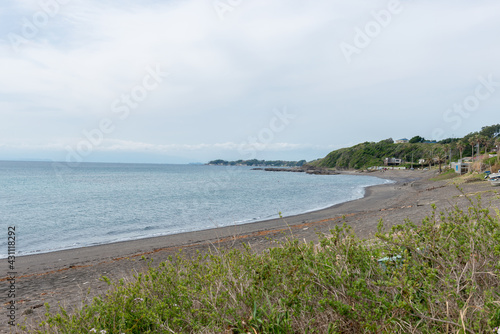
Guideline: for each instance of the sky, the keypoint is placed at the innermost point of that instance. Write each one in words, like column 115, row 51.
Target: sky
column 180, row 81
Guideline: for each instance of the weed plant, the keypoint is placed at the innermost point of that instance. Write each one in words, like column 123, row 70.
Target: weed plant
column 445, row 280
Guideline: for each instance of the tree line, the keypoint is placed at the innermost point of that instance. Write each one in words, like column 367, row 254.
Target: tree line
column 255, row 162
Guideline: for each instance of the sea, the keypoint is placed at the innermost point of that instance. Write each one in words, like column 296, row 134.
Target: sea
column 55, row 206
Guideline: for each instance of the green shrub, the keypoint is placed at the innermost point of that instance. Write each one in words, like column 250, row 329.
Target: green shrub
column 445, row 281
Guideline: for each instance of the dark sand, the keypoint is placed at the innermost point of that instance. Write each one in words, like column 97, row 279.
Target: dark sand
column 71, row 277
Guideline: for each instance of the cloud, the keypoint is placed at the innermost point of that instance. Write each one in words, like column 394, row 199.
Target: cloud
column 226, row 76
column 110, row 145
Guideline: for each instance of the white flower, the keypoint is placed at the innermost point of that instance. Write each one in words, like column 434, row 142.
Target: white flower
column 93, row 330
column 103, row 331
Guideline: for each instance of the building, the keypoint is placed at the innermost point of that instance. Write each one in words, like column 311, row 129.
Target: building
column 392, row 162
column 402, row 141
column 460, row 167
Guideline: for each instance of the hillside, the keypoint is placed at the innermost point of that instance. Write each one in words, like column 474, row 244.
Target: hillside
column 372, row 154
column 369, row 154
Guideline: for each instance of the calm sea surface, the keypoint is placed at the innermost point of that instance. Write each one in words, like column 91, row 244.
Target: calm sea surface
column 58, row 207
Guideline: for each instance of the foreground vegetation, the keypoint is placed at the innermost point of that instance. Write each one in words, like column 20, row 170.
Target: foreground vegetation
column 440, row 276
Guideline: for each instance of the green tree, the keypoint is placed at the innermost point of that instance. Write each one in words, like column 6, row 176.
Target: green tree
column 447, row 152
column 417, row 139
column 490, row 131
column 497, row 144
column 461, row 145
column 481, row 140
column 440, row 157
column 472, row 142
column 490, row 142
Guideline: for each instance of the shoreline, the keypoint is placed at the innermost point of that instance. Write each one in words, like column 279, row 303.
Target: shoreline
column 124, row 248
column 233, row 225
column 72, row 277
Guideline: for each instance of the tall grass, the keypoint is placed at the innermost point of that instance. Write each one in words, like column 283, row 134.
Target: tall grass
column 445, row 279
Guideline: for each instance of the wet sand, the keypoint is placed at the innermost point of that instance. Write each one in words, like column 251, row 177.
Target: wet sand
column 72, row 277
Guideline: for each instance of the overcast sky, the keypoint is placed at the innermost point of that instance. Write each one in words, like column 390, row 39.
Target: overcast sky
column 191, row 81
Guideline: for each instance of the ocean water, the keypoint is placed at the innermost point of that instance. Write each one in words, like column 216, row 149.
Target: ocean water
column 57, row 207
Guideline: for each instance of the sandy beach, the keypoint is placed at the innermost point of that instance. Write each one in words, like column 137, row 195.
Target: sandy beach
column 72, row 277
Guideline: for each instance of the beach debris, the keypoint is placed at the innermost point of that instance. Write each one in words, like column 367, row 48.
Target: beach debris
column 388, row 209
column 30, row 310
column 425, row 202
column 434, row 188
column 397, row 260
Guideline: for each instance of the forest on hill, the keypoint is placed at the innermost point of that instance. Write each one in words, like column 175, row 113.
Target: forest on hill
column 370, row 154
